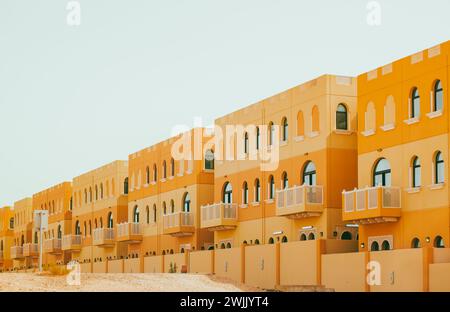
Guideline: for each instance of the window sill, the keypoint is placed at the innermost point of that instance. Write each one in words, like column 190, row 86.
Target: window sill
column 411, row 121
column 179, row 174
column 299, row 138
column 137, row 188
column 171, row 177
column 283, row 143
column 163, row 180
column 145, row 185
column 254, row 204
column 208, row 170
column 269, row 201
column 243, row 206
column 437, row 186
column 413, row 190
column 344, row 132
column 188, row 171
column 368, row 132
column 387, row 127
column 313, row 134
column 435, row 114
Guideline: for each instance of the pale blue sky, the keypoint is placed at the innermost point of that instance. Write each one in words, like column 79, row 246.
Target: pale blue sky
column 75, row 98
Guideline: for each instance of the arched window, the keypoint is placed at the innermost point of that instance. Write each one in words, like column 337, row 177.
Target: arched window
column 35, row 237
column 164, row 208
column 147, row 175
column 416, row 172
column 284, row 180
column 59, row 232
column 415, row 103
column 271, row 133
column 284, row 239
column 385, row 245
column 311, row 236
column 172, row 206
column 90, row 227
column 341, row 117
column 257, row 191
column 258, row 138
column 228, row 245
column 310, row 174
column 415, row 243
column 285, row 131
column 11, row 223
column 209, row 160
column 172, row 167
column 222, row 246
column 110, row 220
column 374, row 246
column 438, row 168
column 164, row 169
column 346, row 235
column 136, row 214
column 439, row 242
column 90, row 194
column 256, row 241
column 125, row 186
column 155, row 173
column 77, row 228
column 186, row 202
column 246, row 144
column 382, row 173
column 227, row 193
column 22, row 241
column 101, row 222
column 271, row 187
column 271, row 240
column 85, row 196
column 303, row 237
column 95, row 224
column 315, row 119
column 438, row 97
column 1, row 245
column 101, row 190
column 154, row 213
column 245, row 193
column 147, row 214
column 96, row 192
column 300, row 124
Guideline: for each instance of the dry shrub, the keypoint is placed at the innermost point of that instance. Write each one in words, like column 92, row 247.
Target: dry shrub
column 58, row 270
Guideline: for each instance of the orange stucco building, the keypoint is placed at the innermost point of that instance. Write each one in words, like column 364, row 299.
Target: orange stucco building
column 299, row 198
column 165, row 195
column 402, row 199
column 6, row 237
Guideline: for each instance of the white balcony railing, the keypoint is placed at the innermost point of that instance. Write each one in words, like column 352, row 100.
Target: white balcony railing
column 369, row 198
column 299, row 195
column 101, row 235
column 30, row 249
column 52, row 244
column 217, row 211
column 178, row 219
column 70, row 240
column 128, row 228
column 16, row 252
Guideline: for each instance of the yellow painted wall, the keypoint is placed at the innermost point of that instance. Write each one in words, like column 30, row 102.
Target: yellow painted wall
column 344, row 272
column 298, row 263
column 179, row 260
column 115, row 266
column 228, row 263
column 201, row 262
column 440, row 277
column 154, row 264
column 132, row 265
column 261, row 266
column 100, row 267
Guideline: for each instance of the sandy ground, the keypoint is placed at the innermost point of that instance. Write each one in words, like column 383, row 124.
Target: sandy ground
column 119, row 282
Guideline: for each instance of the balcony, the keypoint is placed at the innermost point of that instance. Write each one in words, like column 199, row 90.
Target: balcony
column 31, row 250
column 179, row 224
column 71, row 243
column 52, row 246
column 129, row 232
column 219, row 217
column 17, row 252
column 300, row 202
column 379, row 204
column 103, row 237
